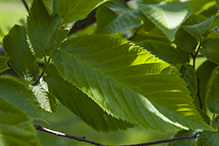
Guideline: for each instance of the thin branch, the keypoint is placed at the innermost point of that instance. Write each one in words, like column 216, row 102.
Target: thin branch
column 25, row 4
column 40, row 128
column 82, row 139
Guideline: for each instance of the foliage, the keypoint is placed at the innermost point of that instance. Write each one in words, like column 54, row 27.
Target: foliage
column 133, row 70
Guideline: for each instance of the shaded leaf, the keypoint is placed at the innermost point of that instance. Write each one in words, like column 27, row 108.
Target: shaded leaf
column 128, row 82
column 48, row 5
column 200, row 29
column 210, row 49
column 43, row 96
column 168, row 17
column 3, row 64
column 212, row 96
column 215, row 123
column 114, row 23
column 19, row 95
column 184, row 142
column 204, row 73
column 185, row 41
column 81, row 105
column 118, row 6
column 166, row 52
column 197, row 5
column 15, row 126
column 21, row 58
column 189, row 76
column 72, row 11
column 208, row 138
column 44, row 31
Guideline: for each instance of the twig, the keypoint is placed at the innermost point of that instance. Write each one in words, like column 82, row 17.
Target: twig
column 40, row 128
column 25, row 4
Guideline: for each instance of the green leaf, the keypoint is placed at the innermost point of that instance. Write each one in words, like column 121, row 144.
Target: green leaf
column 72, row 11
column 48, row 5
column 118, row 6
column 200, row 29
column 44, row 31
column 168, row 17
column 212, row 96
column 3, row 64
column 185, row 41
column 210, row 49
column 128, row 82
column 15, row 126
column 166, row 52
column 204, row 73
column 215, row 123
column 81, row 105
column 189, row 76
column 184, row 142
column 20, row 96
column 46, row 100
column 208, row 138
column 217, row 2
column 21, row 58
column 114, row 23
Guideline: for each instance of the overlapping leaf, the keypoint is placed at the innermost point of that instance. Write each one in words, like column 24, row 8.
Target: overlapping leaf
column 15, row 126
column 166, row 52
column 81, row 105
column 114, row 23
column 204, row 73
column 210, row 49
column 184, row 142
column 20, row 96
column 3, row 63
column 44, row 97
column 48, row 5
column 21, row 58
column 212, row 95
column 44, row 31
column 72, row 11
column 128, row 82
column 200, row 29
column 168, row 17
column 208, row 138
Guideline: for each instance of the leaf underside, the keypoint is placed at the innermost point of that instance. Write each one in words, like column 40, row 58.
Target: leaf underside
column 128, row 82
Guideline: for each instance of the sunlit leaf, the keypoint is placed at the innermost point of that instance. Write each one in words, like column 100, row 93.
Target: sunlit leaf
column 15, row 126
column 81, row 105
column 44, row 97
column 168, row 17
column 44, row 31
column 21, row 58
column 19, row 95
column 128, row 82
column 74, row 10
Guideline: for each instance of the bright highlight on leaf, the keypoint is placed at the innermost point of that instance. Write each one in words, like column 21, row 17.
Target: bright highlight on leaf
column 15, row 126
column 81, row 105
column 168, row 17
column 128, row 82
